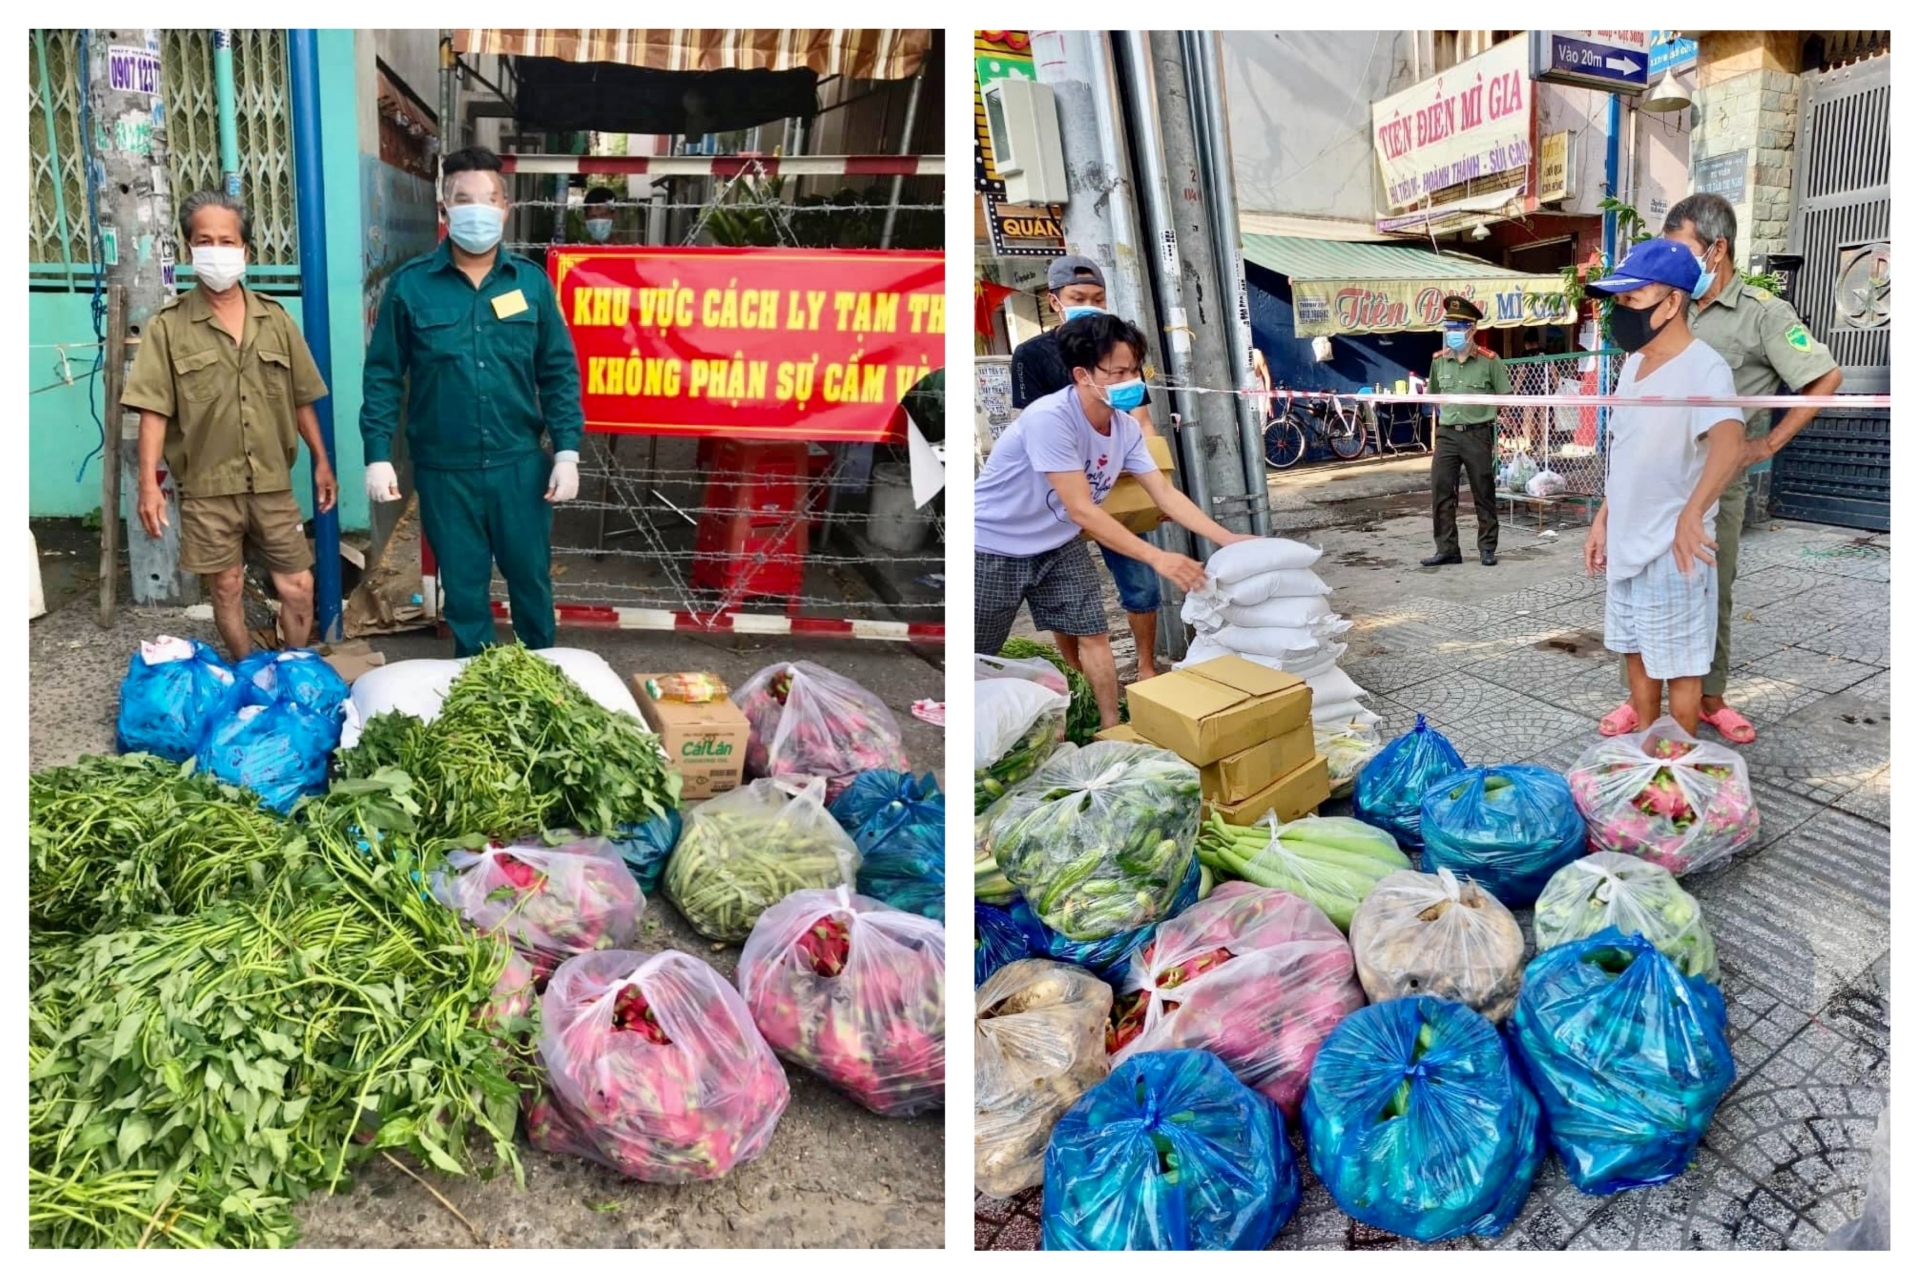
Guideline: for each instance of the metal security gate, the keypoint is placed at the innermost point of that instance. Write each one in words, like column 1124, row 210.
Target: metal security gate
column 1837, row 471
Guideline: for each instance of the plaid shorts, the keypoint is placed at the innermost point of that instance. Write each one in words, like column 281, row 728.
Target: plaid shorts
column 1670, row 619
column 1059, row 587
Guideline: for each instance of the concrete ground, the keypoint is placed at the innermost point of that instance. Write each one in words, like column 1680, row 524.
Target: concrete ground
column 1507, row 662
column 835, row 1175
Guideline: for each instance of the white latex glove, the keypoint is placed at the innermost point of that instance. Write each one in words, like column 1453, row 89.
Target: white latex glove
column 382, row 484
column 564, row 486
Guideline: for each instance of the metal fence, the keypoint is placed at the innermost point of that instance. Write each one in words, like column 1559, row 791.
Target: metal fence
column 1571, row 442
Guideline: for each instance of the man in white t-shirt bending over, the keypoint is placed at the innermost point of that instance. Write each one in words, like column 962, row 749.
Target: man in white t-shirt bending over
column 1044, row 483
column 1666, row 468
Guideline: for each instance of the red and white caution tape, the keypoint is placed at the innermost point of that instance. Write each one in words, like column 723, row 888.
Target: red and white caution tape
column 733, row 166
column 1522, row 401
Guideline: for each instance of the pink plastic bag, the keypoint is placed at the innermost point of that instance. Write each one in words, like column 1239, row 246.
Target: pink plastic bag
column 654, row 1068
column 1666, row 796
column 550, row 903
column 855, row 992
column 1257, row 976
column 808, row 722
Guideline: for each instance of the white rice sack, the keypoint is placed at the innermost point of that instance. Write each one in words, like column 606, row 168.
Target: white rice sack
column 1205, row 649
column 416, row 687
column 1280, row 642
column 1266, row 586
column 596, row 679
column 1243, row 560
column 1202, row 614
column 1281, row 611
column 1334, row 686
column 1343, row 713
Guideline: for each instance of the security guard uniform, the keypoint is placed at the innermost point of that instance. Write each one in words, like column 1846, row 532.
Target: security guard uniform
column 1464, row 439
column 486, row 372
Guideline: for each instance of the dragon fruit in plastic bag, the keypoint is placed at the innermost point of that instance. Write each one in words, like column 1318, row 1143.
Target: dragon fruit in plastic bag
column 550, row 903
column 655, row 1068
column 1666, row 796
column 854, row 991
column 809, row 722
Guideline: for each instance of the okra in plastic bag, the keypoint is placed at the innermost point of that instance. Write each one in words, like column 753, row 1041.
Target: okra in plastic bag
column 1169, row 1152
column 1618, row 890
column 550, row 903
column 1106, row 958
column 1420, row 1122
column 1100, row 839
column 1390, row 787
column 172, row 691
column 1629, row 1057
column 299, row 676
column 809, row 722
column 899, row 824
column 1039, row 1042
column 997, row 941
column 1440, row 935
column 1016, row 726
column 746, row 849
column 655, row 1068
column 279, row 751
column 854, row 991
column 1510, row 828
column 1258, row 977
column 1666, row 796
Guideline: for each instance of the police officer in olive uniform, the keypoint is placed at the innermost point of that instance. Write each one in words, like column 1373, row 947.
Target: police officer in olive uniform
column 1465, row 435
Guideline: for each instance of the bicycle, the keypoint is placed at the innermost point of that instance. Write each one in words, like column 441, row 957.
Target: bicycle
column 1285, row 437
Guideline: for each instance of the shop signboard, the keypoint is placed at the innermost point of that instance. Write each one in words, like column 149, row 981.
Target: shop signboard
column 1024, row 231
column 1613, row 61
column 1556, row 177
column 1670, row 53
column 1322, row 308
column 1465, row 125
column 1724, row 176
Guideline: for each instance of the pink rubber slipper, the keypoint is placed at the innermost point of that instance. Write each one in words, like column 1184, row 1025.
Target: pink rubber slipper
column 1731, row 725
column 1622, row 719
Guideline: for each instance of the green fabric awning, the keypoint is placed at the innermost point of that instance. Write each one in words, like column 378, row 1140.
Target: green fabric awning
column 1342, row 286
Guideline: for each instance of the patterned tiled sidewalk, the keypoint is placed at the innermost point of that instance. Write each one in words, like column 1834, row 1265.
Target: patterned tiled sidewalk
column 1801, row 918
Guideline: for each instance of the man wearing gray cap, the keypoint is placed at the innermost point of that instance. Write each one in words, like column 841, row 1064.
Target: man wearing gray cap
column 1076, row 287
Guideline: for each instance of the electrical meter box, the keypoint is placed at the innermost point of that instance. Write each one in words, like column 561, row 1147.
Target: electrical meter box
column 1024, row 129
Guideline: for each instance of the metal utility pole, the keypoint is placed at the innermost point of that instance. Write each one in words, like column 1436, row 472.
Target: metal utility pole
column 1206, row 314
column 132, row 208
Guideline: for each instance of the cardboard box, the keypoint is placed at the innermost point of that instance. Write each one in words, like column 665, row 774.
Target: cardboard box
column 1128, row 502
column 1122, row 733
column 705, row 741
column 1294, row 796
column 1208, row 712
column 353, row 659
column 1247, row 773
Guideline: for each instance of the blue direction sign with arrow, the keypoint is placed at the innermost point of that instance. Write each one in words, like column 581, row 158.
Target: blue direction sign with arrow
column 1582, row 58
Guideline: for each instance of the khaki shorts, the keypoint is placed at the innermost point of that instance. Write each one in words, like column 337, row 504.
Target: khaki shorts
column 215, row 532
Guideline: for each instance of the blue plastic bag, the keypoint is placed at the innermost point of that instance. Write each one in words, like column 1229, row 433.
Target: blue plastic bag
column 1629, row 1057
column 1509, row 827
column 645, row 848
column 279, row 751
column 1390, row 787
column 1105, row 958
column 997, row 941
column 167, row 704
column 1169, row 1152
column 900, row 824
column 300, row 676
column 1420, row 1122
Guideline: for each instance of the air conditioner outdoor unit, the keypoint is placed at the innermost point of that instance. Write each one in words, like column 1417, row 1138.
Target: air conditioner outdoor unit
column 1024, row 129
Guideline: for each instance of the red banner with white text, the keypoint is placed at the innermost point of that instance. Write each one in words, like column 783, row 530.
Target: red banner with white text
column 756, row 344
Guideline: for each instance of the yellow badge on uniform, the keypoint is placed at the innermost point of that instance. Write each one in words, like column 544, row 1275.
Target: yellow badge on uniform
column 509, row 304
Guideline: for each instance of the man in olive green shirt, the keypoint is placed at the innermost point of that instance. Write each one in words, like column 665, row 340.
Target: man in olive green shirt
column 1464, row 438
column 1766, row 345
column 225, row 388
column 475, row 336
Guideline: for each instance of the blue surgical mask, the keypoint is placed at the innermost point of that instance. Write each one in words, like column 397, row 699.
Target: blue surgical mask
column 1456, row 340
column 598, row 229
column 1705, row 282
column 475, row 227
column 1126, row 396
column 1074, row 313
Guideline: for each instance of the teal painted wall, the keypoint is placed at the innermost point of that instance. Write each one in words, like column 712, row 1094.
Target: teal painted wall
column 60, row 426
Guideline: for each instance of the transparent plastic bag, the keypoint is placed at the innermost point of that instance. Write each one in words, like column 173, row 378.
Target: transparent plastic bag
column 1420, row 1122
column 1333, row 863
column 1617, row 890
column 1100, row 839
column 1666, row 796
column 1546, row 484
column 1873, row 1229
column 899, row 824
column 1036, row 670
column 997, row 941
column 1389, row 789
column 1106, row 958
column 1522, row 469
column 1016, row 726
column 656, row 1066
column 1257, row 977
column 1418, row 934
column 549, row 902
column 299, row 676
column 280, row 751
column 1509, row 827
column 1169, row 1152
column 172, row 691
column 809, row 722
column 513, row 995
column 1628, row 1056
column 747, row 849
column 1348, row 746
column 855, row 992
column 1039, row 1042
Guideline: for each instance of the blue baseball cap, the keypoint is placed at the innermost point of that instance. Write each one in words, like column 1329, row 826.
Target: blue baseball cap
column 1658, row 261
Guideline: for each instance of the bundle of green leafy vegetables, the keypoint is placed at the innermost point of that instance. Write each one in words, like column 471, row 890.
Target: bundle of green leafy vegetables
column 518, row 748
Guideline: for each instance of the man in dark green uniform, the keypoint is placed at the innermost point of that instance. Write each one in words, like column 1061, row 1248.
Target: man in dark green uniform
column 1465, row 435
column 475, row 335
